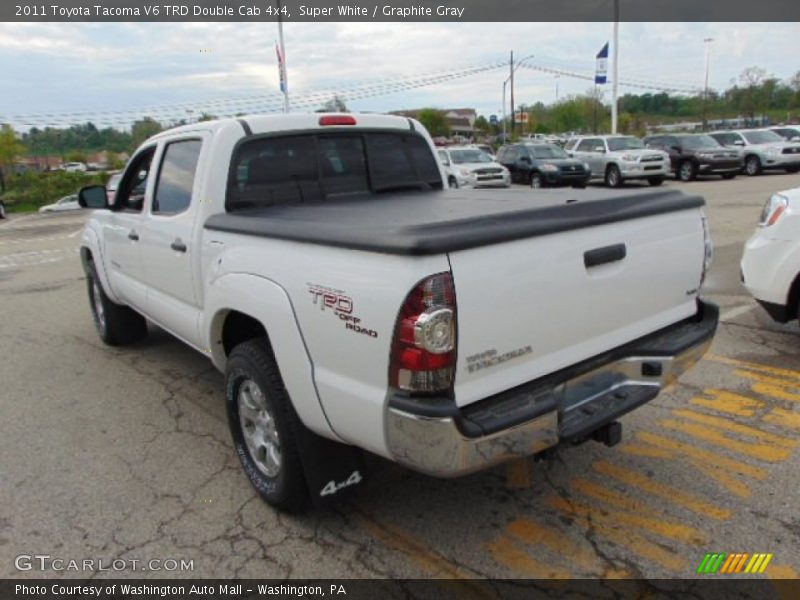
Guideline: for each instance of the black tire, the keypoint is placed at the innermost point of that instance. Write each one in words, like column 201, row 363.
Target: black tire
column 655, row 181
column 2, row 210
column 253, row 362
column 752, row 165
column 613, row 176
column 687, row 171
column 453, row 183
column 536, row 180
column 793, row 169
column 728, row 175
column 579, row 186
column 117, row 325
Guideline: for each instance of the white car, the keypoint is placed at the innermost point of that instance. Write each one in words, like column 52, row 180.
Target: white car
column 471, row 167
column 762, row 150
column 771, row 260
column 66, row 203
column 74, row 167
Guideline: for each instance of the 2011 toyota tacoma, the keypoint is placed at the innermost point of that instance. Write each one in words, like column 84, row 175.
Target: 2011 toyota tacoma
column 354, row 303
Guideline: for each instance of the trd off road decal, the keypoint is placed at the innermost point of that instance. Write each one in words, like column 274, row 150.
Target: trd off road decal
column 338, row 303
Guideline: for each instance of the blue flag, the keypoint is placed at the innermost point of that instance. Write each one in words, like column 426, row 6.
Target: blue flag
column 602, row 65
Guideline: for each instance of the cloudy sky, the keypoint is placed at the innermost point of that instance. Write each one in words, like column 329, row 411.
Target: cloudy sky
column 104, row 70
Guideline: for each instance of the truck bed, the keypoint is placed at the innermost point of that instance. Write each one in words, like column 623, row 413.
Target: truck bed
column 435, row 222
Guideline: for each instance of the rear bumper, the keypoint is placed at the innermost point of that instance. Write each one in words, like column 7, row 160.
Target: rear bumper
column 435, row 436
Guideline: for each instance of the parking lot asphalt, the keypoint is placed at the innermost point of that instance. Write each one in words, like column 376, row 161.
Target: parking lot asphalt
column 124, row 453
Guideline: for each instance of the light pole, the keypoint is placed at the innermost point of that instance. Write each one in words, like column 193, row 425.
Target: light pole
column 707, row 45
column 505, row 83
column 557, row 76
column 284, row 76
column 615, row 69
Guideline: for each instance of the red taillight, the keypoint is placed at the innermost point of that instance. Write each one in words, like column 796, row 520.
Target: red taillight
column 337, row 120
column 424, row 346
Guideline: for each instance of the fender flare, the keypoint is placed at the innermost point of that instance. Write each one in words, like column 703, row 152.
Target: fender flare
column 90, row 250
column 267, row 302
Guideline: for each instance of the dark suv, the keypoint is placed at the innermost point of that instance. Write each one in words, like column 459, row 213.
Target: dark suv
column 543, row 165
column 696, row 154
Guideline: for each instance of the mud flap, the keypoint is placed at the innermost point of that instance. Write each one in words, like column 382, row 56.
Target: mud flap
column 333, row 470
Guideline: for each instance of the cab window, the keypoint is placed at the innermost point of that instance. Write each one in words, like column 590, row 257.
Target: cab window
column 176, row 178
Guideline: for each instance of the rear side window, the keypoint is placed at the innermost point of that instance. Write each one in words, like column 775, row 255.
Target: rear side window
column 176, row 178
column 315, row 167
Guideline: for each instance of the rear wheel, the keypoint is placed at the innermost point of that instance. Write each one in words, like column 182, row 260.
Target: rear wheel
column 752, row 165
column 613, row 176
column 264, row 425
column 537, row 181
column 687, row 171
column 117, row 325
column 655, row 181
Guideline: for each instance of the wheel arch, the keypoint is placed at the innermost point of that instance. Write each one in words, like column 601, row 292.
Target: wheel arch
column 793, row 298
column 242, row 307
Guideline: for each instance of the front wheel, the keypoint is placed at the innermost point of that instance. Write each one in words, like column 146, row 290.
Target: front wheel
column 264, row 426
column 687, row 171
column 752, row 166
column 613, row 176
column 2, row 210
column 537, row 181
column 655, row 181
column 453, row 183
column 117, row 325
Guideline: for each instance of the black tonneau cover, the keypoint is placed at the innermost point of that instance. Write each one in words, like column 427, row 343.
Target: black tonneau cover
column 435, row 222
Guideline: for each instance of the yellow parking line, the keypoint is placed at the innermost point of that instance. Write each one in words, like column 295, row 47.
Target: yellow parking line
column 507, row 553
column 782, row 418
column 755, row 366
column 736, row 428
column 620, row 534
column 434, row 565
column 631, row 513
column 771, row 386
column 669, row 493
column 763, row 452
column 728, row 402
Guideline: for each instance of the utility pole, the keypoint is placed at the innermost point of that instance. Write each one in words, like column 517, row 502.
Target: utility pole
column 511, row 66
column 615, row 72
column 707, row 44
column 282, row 62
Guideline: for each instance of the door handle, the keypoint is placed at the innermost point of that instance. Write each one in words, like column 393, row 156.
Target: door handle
column 607, row 254
column 133, row 235
column 178, row 245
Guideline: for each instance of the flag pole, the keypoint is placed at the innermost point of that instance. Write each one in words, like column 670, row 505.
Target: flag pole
column 616, row 70
column 282, row 62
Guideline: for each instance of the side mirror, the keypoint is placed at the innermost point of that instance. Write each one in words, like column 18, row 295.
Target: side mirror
column 525, row 159
column 738, row 143
column 599, row 149
column 93, row 196
column 676, row 149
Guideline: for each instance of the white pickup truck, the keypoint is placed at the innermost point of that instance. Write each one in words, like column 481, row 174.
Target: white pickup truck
column 354, row 303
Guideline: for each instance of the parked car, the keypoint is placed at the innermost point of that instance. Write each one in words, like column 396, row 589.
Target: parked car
column 697, row 154
column 761, row 150
column 66, row 203
column 467, row 166
column 355, row 304
column 541, row 165
column 771, row 259
column 619, row 158
column 788, row 132
column 74, row 167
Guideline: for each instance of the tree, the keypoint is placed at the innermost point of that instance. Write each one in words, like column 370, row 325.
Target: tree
column 751, row 79
column 143, row 129
column 10, row 147
column 434, row 121
column 206, row 117
column 482, row 125
column 335, row 104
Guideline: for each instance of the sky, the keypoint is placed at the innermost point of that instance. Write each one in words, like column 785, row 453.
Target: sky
column 99, row 69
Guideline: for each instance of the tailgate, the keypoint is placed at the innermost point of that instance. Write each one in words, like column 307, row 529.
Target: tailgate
column 530, row 307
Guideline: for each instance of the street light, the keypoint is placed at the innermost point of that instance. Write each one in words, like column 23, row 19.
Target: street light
column 509, row 78
column 707, row 45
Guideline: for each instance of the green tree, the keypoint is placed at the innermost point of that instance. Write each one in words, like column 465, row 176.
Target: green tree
column 143, row 129
column 335, row 104
column 434, row 121
column 10, row 147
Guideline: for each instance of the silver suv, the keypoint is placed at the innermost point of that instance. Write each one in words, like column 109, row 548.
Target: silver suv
column 618, row 158
column 762, row 149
